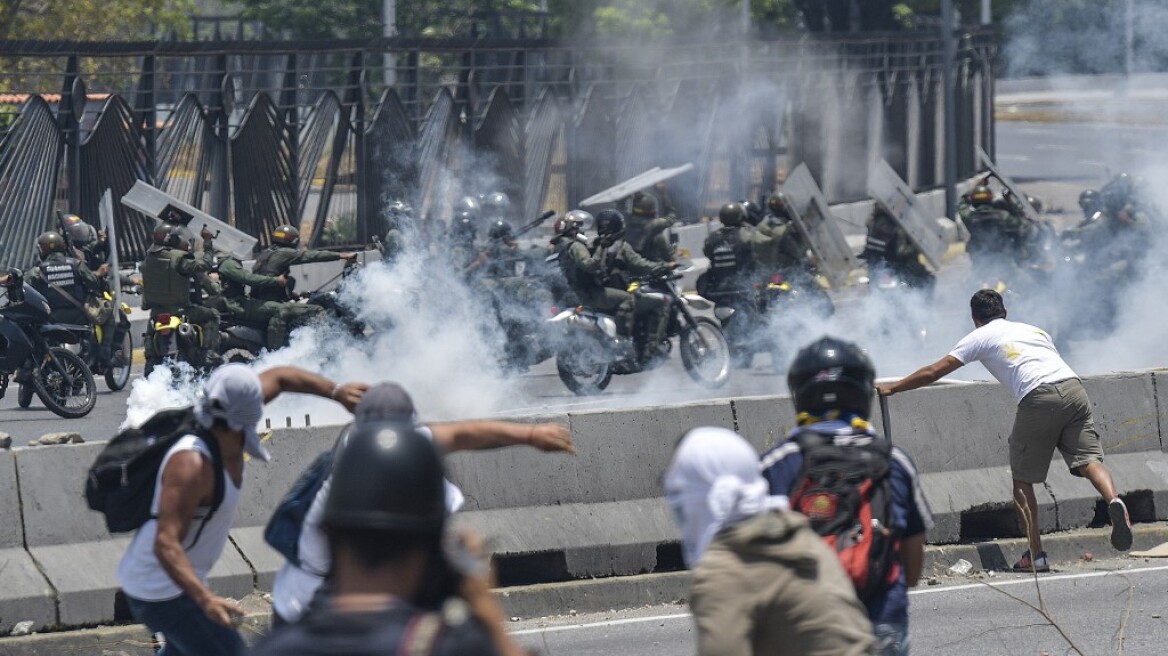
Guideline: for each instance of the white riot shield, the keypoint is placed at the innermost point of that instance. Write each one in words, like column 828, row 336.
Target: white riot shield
column 638, row 182
column 154, row 202
column 106, row 209
column 1009, row 184
column 813, row 218
column 886, row 188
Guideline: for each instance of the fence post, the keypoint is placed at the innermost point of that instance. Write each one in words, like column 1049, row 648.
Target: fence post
column 69, row 120
column 146, row 108
column 220, row 119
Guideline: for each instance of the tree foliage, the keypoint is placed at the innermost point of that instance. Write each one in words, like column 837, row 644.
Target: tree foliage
column 93, row 20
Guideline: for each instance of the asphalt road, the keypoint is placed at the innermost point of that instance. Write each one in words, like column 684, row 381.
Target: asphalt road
column 1079, row 151
column 1106, row 607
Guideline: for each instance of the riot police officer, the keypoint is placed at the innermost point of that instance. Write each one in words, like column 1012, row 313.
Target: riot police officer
column 648, row 233
column 283, row 253
column 68, row 284
column 729, row 250
column 173, row 280
column 888, row 245
column 496, row 206
column 620, row 262
column 782, row 248
column 399, row 215
column 274, row 316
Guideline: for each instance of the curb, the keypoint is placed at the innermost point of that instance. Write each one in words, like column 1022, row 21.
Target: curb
column 599, row 595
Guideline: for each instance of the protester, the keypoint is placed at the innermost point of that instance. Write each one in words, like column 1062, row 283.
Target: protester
column 831, row 383
column 164, row 571
column 1053, row 411
column 384, row 517
column 297, row 583
column 763, row 581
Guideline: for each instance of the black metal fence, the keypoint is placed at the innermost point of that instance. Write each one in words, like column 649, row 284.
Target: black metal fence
column 325, row 135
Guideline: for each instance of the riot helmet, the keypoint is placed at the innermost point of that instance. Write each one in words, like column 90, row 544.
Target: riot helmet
column 467, row 204
column 981, row 195
column 754, row 214
column 387, row 476
column 1036, row 203
column 286, row 235
column 731, row 215
column 832, row 374
column 496, row 206
column 645, row 206
column 180, row 237
column 1089, row 201
column 777, row 203
column 161, row 230
column 572, row 223
column 610, row 222
column 463, row 226
column 501, row 231
column 50, row 242
column 398, row 212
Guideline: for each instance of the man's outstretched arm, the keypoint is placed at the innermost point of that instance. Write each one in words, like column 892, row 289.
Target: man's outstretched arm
column 481, row 435
column 292, row 379
column 926, row 375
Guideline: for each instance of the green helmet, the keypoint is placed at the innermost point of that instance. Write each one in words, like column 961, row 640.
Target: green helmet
column 645, row 205
column 731, row 215
column 286, row 235
column 50, row 242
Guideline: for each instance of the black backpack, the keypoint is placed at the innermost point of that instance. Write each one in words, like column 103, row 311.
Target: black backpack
column 284, row 528
column 844, row 489
column 120, row 484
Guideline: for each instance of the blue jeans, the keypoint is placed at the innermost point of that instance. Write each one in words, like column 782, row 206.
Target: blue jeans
column 188, row 630
column 891, row 639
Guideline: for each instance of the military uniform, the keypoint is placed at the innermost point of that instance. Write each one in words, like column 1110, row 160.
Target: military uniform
column 275, row 316
column 618, row 263
column 650, row 237
column 58, row 275
column 278, row 259
column 172, row 282
column 888, row 245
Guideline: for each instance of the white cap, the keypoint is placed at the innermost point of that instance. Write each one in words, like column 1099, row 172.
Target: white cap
column 234, row 394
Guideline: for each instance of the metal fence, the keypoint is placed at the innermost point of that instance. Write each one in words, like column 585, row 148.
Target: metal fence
column 325, row 135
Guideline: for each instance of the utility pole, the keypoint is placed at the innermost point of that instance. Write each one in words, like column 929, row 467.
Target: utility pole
column 948, row 55
column 389, row 14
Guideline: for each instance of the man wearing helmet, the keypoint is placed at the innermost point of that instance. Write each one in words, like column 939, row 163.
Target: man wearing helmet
column 832, row 383
column 567, row 230
column 618, row 263
column 495, row 207
column 648, row 233
column 729, row 282
column 398, row 217
column 1053, row 411
column 464, row 252
column 504, row 273
column 237, row 301
column 68, row 284
column 1118, row 237
column 993, row 241
column 782, row 249
column 173, row 281
column 888, row 245
column 284, row 252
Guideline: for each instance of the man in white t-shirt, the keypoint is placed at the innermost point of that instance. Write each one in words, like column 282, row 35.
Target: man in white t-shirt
column 1053, row 412
column 164, row 571
column 297, row 584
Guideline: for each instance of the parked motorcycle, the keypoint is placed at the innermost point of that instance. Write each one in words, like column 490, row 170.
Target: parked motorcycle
column 590, row 351
column 27, row 355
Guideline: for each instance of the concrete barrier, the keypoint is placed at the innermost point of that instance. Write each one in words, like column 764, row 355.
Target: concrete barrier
column 553, row 517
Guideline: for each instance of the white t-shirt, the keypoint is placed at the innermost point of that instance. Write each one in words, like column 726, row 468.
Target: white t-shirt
column 294, row 587
column 141, row 575
column 1018, row 355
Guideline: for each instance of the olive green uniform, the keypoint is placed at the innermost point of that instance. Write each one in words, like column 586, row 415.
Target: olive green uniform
column 619, row 262
column 650, row 237
column 278, row 259
column 276, row 317
column 169, row 279
column 78, row 282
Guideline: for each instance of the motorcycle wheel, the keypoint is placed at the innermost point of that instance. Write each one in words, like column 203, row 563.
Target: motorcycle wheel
column 24, row 395
column 117, row 376
column 708, row 364
column 70, row 393
column 584, row 378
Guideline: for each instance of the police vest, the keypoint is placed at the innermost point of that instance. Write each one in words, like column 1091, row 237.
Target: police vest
column 729, row 255
column 577, row 279
column 162, row 284
column 882, row 239
column 62, row 276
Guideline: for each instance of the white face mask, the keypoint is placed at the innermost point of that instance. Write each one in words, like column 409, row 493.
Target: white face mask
column 713, row 482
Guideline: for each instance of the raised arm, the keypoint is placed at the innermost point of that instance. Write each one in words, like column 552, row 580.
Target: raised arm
column 483, row 435
column 926, row 375
column 292, row 379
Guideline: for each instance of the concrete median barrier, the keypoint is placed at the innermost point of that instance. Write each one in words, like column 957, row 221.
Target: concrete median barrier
column 555, row 517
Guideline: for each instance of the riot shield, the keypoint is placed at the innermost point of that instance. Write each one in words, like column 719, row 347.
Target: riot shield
column 106, row 209
column 813, row 218
column 1009, row 185
column 155, row 202
column 638, row 182
column 886, row 188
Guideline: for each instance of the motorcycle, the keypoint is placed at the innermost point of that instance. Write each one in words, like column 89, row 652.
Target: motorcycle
column 27, row 355
column 176, row 341
column 773, row 313
column 117, row 372
column 590, row 350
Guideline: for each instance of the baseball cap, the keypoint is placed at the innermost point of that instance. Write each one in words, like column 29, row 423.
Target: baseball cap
column 385, row 401
column 234, row 394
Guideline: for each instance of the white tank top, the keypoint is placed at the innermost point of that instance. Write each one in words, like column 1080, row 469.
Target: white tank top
column 141, row 575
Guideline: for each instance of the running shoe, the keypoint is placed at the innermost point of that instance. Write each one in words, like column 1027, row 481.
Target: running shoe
column 1027, row 564
column 1121, row 533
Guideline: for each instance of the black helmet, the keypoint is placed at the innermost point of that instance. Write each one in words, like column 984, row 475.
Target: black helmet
column 610, row 222
column 1089, row 200
column 387, row 477
column 1036, row 203
column 467, row 204
column 180, row 237
column 398, row 212
column 161, row 230
column 50, row 242
column 496, row 205
column 731, row 215
column 463, row 226
column 501, row 232
column 286, row 235
column 575, row 220
column 754, row 214
column 777, row 204
column 645, row 205
column 831, row 374
column 981, row 195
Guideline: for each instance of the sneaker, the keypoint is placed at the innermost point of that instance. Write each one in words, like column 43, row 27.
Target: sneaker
column 1027, row 564
column 1121, row 533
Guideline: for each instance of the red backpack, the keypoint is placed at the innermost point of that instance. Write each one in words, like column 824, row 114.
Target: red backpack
column 844, row 490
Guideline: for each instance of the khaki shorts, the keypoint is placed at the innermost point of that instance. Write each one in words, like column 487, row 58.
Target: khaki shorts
column 1053, row 415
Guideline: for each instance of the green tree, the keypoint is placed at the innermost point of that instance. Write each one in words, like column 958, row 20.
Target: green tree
column 355, row 19
column 93, row 20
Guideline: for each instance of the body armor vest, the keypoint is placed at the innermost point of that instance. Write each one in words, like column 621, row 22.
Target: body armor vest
column 62, row 274
column 162, row 284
